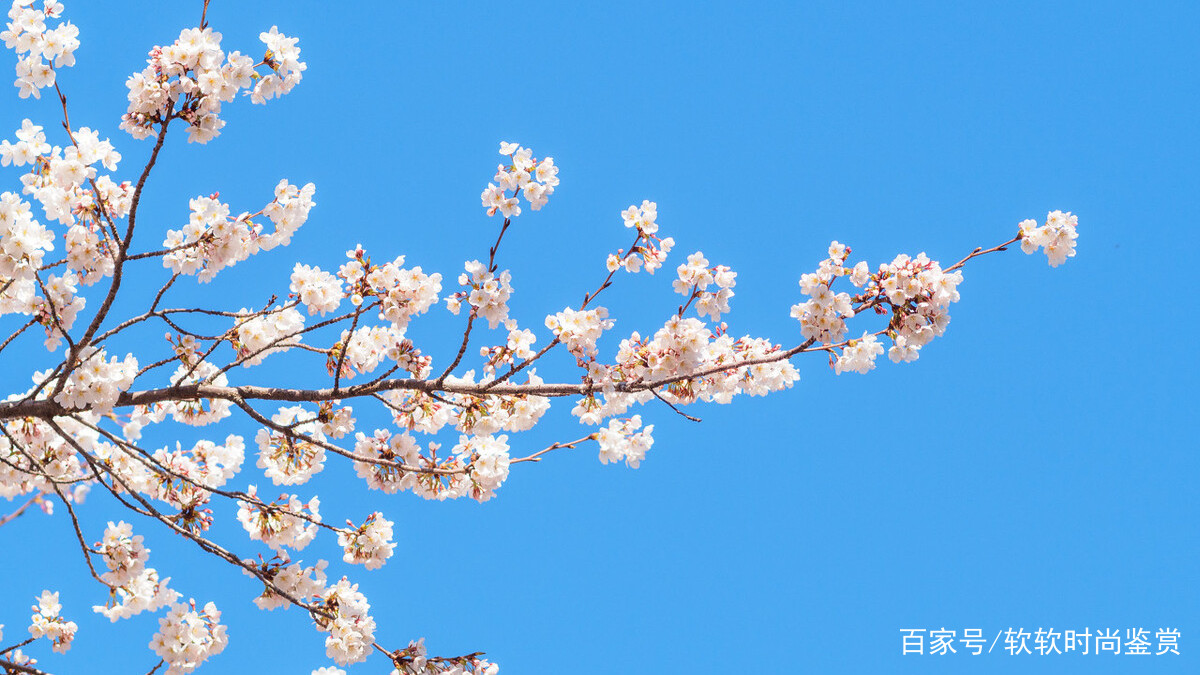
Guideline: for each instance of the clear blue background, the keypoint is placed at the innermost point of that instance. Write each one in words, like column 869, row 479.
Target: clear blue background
column 1035, row 468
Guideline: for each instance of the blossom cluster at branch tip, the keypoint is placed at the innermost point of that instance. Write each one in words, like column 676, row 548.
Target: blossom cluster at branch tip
column 488, row 294
column 40, row 49
column 1056, row 238
column 319, row 291
column 391, row 447
column 648, row 251
column 621, row 440
column 191, row 78
column 525, row 175
column 916, row 292
column 403, row 292
column 580, row 329
column 694, row 278
column 212, row 240
column 66, row 182
column 47, row 623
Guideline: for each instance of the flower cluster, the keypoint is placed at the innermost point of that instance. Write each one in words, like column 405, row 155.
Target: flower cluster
column 1056, row 238
column 648, row 250
column 202, row 411
column 417, row 411
column 283, row 58
column 352, row 630
column 24, row 243
column 187, row 637
column 694, row 278
column 392, row 449
column 518, row 346
column 489, row 414
column 59, row 308
column 823, row 316
column 859, row 355
column 137, row 587
column 66, row 182
column 580, row 329
column 47, row 48
column 31, row 144
column 282, row 523
column 363, row 350
column 488, row 457
column 369, row 544
column 90, row 251
column 317, row 290
column 488, row 295
column 192, row 77
column 367, row 348
column 291, row 458
column 621, row 440
column 697, row 364
column 57, row 180
column 916, row 291
column 919, row 294
column 123, row 554
column 143, row 593
column 94, row 383
column 188, row 473
column 680, row 347
column 212, row 241
column 32, row 457
column 535, row 179
column 403, row 293
column 394, row 462
column 300, row 582
column 642, row 219
column 47, row 623
column 263, row 334
column 336, row 422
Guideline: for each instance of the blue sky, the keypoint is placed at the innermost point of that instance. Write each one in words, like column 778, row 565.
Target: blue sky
column 1033, row 469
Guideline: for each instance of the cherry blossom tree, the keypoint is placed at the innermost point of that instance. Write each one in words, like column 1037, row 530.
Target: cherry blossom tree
column 69, row 234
